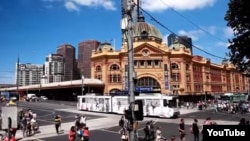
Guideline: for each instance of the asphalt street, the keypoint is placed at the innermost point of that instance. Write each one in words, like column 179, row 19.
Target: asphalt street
column 112, row 134
column 46, row 112
column 216, row 116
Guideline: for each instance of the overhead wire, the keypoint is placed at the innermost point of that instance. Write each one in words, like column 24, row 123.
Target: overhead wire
column 165, row 27
column 193, row 23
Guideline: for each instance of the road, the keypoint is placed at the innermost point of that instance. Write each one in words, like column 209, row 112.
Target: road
column 103, row 127
column 47, row 111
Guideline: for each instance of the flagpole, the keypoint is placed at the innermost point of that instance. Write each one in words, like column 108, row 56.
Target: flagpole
column 17, row 79
column 114, row 43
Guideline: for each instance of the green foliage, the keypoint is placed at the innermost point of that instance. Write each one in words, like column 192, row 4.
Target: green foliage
column 238, row 18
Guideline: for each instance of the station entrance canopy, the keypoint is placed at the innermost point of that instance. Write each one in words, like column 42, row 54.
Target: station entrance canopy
column 57, row 85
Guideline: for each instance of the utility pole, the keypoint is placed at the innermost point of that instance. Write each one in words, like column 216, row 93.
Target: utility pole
column 127, row 30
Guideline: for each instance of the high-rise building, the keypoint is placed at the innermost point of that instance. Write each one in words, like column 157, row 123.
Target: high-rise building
column 53, row 69
column 68, row 52
column 174, row 42
column 85, row 49
column 28, row 74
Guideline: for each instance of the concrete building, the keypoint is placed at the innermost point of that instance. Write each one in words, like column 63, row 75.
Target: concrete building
column 54, row 69
column 175, row 42
column 68, row 52
column 28, row 74
column 84, row 56
column 162, row 69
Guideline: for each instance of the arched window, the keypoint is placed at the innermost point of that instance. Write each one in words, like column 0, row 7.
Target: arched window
column 115, row 78
column 147, row 82
column 174, row 66
column 114, row 67
column 98, row 68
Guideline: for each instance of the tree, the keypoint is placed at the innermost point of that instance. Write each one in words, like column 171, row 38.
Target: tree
column 238, row 18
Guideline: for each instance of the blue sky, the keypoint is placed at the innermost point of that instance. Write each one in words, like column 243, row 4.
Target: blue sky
column 33, row 29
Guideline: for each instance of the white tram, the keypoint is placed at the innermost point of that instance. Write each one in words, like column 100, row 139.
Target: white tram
column 154, row 104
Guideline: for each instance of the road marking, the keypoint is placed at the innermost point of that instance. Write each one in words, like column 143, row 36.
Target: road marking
column 45, row 120
column 51, row 113
column 118, row 132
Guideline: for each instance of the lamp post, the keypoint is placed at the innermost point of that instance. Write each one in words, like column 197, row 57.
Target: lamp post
column 82, row 84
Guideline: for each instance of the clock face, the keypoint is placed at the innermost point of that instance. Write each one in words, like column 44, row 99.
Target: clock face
column 145, row 52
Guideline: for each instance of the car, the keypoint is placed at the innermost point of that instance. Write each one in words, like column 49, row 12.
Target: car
column 44, row 98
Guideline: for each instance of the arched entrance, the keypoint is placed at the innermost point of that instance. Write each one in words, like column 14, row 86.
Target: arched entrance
column 147, row 85
column 114, row 91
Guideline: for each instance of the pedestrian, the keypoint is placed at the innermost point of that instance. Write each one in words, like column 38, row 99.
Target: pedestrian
column 57, row 123
column 72, row 134
column 182, row 130
column 60, row 125
column 195, row 130
column 86, row 134
column 124, row 135
column 147, row 131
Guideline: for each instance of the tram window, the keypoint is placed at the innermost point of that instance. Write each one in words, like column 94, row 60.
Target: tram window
column 165, row 103
column 83, row 100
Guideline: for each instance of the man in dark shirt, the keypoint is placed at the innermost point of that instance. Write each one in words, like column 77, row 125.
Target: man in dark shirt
column 182, row 130
column 195, row 130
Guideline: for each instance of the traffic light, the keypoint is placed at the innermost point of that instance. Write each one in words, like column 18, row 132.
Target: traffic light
column 138, row 110
column 128, row 114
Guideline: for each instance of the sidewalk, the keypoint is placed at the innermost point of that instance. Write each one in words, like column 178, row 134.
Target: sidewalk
column 49, row 130
column 187, row 111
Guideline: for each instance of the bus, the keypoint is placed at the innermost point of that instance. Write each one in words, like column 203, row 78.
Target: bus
column 230, row 97
column 153, row 104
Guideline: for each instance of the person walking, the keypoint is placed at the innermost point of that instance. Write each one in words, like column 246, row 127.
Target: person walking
column 195, row 130
column 182, row 130
column 124, row 135
column 57, row 122
column 86, row 134
column 72, row 134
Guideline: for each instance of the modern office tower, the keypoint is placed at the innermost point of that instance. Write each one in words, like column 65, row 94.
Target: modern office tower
column 68, row 52
column 54, row 69
column 174, row 42
column 28, row 74
column 85, row 49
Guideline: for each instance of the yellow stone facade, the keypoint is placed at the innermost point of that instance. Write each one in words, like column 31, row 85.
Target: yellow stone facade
column 161, row 69
column 195, row 74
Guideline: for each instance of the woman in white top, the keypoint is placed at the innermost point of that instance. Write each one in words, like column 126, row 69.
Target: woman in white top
column 158, row 135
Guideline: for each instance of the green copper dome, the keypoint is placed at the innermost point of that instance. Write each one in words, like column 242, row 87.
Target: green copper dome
column 145, row 30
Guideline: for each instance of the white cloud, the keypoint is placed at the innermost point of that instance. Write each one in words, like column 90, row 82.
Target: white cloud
column 228, row 32
column 194, row 34
column 160, row 5
column 69, row 5
column 222, row 44
column 106, row 4
column 74, row 5
column 211, row 29
column 165, row 38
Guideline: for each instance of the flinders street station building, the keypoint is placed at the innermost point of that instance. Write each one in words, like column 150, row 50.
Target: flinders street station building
column 160, row 68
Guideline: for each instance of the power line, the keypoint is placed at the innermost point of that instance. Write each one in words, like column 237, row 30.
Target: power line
column 155, row 20
column 196, row 25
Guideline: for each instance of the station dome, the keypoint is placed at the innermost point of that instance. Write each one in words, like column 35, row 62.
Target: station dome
column 106, row 45
column 144, row 30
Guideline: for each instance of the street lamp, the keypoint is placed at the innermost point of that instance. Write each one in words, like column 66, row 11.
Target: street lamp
column 82, row 84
